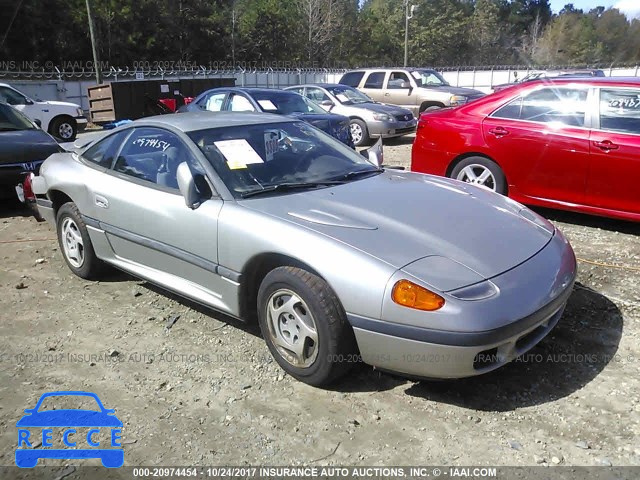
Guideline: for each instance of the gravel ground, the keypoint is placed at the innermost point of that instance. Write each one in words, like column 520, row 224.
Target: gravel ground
column 205, row 391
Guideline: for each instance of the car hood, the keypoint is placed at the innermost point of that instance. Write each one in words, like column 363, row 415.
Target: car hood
column 469, row 92
column 400, row 217
column 59, row 104
column 69, row 418
column 26, row 146
column 382, row 108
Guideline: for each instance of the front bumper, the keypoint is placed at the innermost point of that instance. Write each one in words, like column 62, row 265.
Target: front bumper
column 419, row 351
column 382, row 129
column 81, row 123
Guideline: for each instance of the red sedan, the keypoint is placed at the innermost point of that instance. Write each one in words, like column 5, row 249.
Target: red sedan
column 572, row 144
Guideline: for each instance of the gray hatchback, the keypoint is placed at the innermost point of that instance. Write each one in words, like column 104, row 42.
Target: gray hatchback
column 260, row 215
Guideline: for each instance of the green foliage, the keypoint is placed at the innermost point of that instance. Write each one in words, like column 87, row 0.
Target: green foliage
column 332, row 33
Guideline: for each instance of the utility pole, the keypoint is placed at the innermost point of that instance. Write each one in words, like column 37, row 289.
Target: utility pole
column 94, row 45
column 406, row 31
column 408, row 15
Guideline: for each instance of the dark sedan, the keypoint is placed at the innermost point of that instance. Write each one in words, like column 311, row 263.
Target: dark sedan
column 23, row 148
column 270, row 100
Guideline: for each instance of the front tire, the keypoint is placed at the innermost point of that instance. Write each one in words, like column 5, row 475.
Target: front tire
column 359, row 132
column 75, row 243
column 482, row 172
column 304, row 326
column 64, row 129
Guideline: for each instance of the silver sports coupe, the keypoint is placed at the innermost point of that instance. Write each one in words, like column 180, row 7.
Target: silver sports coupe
column 340, row 260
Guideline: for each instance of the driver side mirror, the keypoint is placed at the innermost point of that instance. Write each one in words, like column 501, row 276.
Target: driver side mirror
column 38, row 122
column 374, row 154
column 327, row 103
column 187, row 186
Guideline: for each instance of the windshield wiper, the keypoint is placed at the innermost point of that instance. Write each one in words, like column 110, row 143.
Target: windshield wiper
column 358, row 173
column 281, row 187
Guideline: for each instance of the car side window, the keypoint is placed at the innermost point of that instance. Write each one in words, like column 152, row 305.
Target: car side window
column 316, row 95
column 240, row 103
column 296, row 90
column 566, row 106
column 398, row 80
column 213, row 103
column 620, row 110
column 104, row 151
column 352, row 79
column 11, row 97
column 152, row 154
column 374, row 80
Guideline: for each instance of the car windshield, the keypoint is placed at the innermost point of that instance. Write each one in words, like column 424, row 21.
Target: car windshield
column 429, row 78
column 277, row 156
column 532, row 76
column 349, row 96
column 69, row 402
column 286, row 103
column 13, row 120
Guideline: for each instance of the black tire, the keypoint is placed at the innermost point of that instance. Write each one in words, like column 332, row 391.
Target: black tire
column 69, row 219
column 497, row 182
column 429, row 108
column 64, row 129
column 364, row 138
column 335, row 347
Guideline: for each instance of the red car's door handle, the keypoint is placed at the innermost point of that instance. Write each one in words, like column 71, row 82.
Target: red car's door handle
column 499, row 131
column 606, row 145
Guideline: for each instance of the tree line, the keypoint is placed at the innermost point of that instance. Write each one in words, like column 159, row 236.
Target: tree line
column 316, row 33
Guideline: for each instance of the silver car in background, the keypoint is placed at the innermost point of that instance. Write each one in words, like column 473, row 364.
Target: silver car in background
column 369, row 119
column 260, row 215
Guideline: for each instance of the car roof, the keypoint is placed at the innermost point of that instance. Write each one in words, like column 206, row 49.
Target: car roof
column 192, row 121
column 250, row 90
column 322, row 85
column 621, row 81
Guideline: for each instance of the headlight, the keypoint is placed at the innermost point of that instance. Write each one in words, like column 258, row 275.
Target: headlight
column 383, row 117
column 458, row 100
column 80, row 112
column 408, row 294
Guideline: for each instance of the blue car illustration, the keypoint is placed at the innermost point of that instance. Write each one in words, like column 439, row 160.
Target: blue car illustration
column 112, row 457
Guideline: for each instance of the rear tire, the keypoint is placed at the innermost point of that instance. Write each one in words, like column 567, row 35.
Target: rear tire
column 75, row 243
column 305, row 326
column 482, row 172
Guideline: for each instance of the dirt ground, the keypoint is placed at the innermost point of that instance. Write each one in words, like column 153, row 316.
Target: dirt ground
column 206, row 391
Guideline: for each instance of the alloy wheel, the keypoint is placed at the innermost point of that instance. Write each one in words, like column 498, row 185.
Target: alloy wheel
column 72, row 242
column 292, row 328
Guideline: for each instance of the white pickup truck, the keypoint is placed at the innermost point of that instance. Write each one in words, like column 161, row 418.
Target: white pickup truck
column 63, row 120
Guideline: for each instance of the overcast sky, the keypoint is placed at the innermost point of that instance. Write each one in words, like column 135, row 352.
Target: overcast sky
column 630, row 7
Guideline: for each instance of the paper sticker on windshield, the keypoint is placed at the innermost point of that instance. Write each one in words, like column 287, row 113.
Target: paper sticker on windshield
column 267, row 105
column 238, row 153
column 342, row 97
column 270, row 144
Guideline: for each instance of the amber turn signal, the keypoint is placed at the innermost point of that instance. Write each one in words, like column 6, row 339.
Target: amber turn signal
column 408, row 294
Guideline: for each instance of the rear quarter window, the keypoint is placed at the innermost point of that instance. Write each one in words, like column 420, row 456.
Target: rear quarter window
column 103, row 152
column 352, row 78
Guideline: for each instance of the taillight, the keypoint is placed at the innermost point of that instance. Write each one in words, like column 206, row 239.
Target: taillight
column 28, row 188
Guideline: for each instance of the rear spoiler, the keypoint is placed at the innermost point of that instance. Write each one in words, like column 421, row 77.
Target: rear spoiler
column 84, row 140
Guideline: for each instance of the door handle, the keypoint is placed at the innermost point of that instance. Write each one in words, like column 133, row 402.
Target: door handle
column 387, row 94
column 499, row 131
column 606, row 145
column 101, row 201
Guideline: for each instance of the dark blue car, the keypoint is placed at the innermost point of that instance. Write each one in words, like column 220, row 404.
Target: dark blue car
column 270, row 100
column 111, row 454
